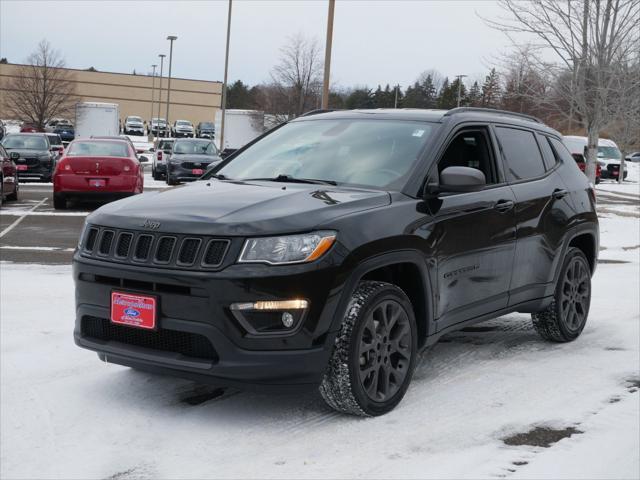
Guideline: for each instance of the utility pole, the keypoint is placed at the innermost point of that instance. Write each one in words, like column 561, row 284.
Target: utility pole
column 224, row 82
column 327, row 56
column 459, row 77
column 171, row 38
column 395, row 103
column 162, row 55
column 153, row 91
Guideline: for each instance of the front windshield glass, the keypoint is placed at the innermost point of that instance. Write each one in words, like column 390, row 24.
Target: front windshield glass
column 184, row 123
column 194, row 147
column 609, row 152
column 27, row 142
column 98, row 149
column 134, row 120
column 206, row 125
column 376, row 153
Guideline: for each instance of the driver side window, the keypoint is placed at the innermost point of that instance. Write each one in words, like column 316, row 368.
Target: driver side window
column 470, row 148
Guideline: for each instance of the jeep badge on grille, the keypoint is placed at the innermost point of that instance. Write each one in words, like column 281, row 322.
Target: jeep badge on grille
column 151, row 225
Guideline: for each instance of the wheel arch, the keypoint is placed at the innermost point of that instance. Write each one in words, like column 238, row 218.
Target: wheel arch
column 407, row 270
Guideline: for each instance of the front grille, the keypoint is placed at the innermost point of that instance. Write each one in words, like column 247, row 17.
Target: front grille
column 165, row 249
column 105, row 242
column 215, row 252
column 192, row 165
column 185, row 343
column 92, row 234
column 188, row 251
column 143, row 247
column 155, row 249
column 31, row 161
column 124, row 243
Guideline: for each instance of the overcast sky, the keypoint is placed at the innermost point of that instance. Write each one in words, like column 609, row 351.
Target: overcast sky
column 374, row 41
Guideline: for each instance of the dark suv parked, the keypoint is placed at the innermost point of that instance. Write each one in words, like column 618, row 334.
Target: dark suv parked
column 189, row 159
column 332, row 250
column 32, row 154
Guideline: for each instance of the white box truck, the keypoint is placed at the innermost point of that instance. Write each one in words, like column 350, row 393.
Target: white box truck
column 97, row 119
column 240, row 127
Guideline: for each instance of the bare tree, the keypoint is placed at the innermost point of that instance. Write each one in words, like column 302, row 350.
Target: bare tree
column 41, row 89
column 297, row 76
column 589, row 40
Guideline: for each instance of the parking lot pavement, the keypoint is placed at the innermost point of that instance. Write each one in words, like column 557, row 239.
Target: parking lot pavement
column 32, row 231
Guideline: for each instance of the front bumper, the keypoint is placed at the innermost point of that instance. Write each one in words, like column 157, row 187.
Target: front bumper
column 179, row 134
column 179, row 173
column 36, row 172
column 197, row 303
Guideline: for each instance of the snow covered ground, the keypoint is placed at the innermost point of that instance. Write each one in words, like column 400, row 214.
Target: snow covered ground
column 64, row 414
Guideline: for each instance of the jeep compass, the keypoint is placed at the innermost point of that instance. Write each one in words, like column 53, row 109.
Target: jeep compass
column 332, row 250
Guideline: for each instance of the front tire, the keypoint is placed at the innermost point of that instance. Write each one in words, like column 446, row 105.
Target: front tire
column 374, row 354
column 565, row 318
column 13, row 197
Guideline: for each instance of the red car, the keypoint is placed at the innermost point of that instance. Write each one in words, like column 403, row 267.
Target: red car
column 582, row 165
column 9, row 186
column 97, row 169
column 29, row 128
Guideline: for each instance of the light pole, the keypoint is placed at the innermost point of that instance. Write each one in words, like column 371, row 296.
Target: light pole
column 327, row 56
column 171, row 38
column 395, row 103
column 153, row 91
column 459, row 77
column 224, row 82
column 162, row 55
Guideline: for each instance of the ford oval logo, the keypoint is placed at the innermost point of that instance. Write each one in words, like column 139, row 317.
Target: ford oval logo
column 131, row 312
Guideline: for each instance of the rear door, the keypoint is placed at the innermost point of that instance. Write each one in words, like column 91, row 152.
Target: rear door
column 543, row 210
column 473, row 237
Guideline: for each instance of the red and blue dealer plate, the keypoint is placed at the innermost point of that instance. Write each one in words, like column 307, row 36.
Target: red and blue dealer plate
column 134, row 310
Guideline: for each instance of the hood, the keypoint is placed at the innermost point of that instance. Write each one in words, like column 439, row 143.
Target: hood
column 212, row 207
column 193, row 157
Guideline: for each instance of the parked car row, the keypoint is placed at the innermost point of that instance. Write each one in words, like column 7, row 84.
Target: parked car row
column 157, row 126
column 609, row 156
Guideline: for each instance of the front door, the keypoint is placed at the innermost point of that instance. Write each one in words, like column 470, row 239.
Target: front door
column 473, row 234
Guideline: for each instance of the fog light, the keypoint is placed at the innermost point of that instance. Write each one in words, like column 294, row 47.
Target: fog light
column 287, row 319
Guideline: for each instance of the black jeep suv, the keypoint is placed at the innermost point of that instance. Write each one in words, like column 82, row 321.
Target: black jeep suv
column 335, row 248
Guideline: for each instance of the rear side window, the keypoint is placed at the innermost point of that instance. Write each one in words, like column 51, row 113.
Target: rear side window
column 561, row 151
column 547, row 153
column 521, row 153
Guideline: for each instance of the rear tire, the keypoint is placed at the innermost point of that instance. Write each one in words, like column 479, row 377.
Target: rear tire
column 565, row 318
column 13, row 197
column 374, row 354
column 59, row 202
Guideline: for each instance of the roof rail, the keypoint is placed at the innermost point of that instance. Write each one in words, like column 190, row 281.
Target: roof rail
column 317, row 111
column 454, row 111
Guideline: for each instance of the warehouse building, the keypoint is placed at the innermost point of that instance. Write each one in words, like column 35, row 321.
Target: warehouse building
column 195, row 100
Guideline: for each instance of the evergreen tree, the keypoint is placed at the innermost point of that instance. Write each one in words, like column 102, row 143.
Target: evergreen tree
column 360, row 98
column 447, row 98
column 491, row 91
column 474, row 97
column 413, row 97
column 457, row 83
column 429, row 93
column 239, row 96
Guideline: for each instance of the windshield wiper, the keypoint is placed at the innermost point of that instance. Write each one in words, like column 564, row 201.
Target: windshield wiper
column 219, row 176
column 288, row 178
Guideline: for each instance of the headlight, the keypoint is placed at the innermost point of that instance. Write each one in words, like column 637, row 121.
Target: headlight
column 302, row 248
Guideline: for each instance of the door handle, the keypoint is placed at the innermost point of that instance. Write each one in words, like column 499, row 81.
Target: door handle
column 504, row 205
column 559, row 193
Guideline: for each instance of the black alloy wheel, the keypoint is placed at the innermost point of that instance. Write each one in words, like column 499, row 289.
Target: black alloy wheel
column 565, row 318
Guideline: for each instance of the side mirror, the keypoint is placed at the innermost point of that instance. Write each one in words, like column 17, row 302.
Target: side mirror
column 14, row 155
column 152, row 149
column 457, row 179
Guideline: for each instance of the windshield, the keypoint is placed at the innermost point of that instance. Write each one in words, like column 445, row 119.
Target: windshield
column 609, row 152
column 160, row 121
column 98, row 149
column 206, row 125
column 375, row 153
column 134, row 120
column 183, row 123
column 194, row 147
column 28, row 142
